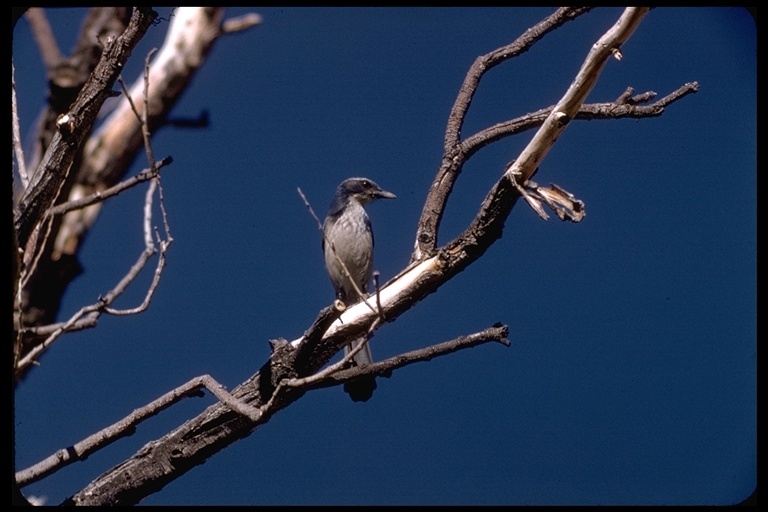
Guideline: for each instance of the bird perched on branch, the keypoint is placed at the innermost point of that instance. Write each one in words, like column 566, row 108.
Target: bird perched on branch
column 348, row 239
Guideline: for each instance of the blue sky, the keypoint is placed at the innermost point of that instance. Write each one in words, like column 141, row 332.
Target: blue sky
column 631, row 375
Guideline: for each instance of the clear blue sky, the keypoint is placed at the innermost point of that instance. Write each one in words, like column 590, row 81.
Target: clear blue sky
column 631, row 375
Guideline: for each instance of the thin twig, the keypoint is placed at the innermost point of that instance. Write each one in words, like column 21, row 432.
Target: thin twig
column 497, row 333
column 93, row 311
column 97, row 197
column 152, row 287
column 240, row 23
column 126, row 426
column 378, row 295
column 148, row 202
column 145, row 114
column 17, row 148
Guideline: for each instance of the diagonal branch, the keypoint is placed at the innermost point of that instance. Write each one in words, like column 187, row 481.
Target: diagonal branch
column 41, row 29
column 627, row 108
column 568, row 107
column 127, row 426
column 385, row 368
column 54, row 168
column 97, row 197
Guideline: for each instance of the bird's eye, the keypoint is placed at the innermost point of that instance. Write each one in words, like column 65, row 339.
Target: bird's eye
column 366, row 184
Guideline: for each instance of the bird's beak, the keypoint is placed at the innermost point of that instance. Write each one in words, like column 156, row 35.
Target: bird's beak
column 385, row 195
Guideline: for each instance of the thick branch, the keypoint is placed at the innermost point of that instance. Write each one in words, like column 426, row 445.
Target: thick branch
column 110, row 151
column 50, row 175
column 221, row 424
column 45, row 278
column 568, row 107
column 43, row 34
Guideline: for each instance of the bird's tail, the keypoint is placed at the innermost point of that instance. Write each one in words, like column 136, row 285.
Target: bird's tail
column 360, row 390
column 364, row 356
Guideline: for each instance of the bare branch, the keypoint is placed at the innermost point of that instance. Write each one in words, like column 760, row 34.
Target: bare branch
column 88, row 313
column 135, row 270
column 97, row 197
column 240, row 23
column 113, row 146
column 17, row 146
column 93, row 311
column 67, row 78
column 331, row 376
column 145, row 113
column 53, row 170
column 386, row 367
column 311, row 211
column 568, row 107
column 44, row 330
column 41, row 30
column 127, row 426
column 624, row 107
column 334, row 368
column 442, row 185
column 148, row 202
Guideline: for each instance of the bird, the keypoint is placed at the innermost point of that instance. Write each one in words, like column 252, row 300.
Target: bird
column 348, row 238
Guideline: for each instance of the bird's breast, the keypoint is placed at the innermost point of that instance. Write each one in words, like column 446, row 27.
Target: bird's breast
column 351, row 239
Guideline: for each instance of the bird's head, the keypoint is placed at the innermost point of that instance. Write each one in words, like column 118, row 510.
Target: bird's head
column 364, row 190
column 361, row 190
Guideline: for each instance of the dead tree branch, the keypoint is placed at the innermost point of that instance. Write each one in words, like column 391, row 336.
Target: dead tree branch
column 218, row 427
column 53, row 170
column 127, row 426
column 22, row 362
column 82, row 168
column 442, row 185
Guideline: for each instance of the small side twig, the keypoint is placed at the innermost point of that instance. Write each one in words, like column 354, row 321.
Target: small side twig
column 378, row 295
column 142, row 116
column 97, row 197
column 385, row 367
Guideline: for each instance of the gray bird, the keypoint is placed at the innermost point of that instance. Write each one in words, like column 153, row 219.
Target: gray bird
column 349, row 238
